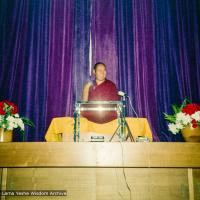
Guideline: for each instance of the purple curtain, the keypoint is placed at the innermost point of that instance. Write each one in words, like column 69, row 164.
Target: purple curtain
column 177, row 56
column 151, row 48
column 36, row 59
column 60, row 62
column 136, row 53
column 81, row 70
column 104, row 36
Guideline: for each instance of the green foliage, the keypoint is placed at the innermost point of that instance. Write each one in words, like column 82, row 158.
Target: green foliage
column 27, row 121
column 172, row 118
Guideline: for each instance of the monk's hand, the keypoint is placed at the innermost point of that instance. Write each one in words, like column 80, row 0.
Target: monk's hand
column 86, row 91
column 89, row 83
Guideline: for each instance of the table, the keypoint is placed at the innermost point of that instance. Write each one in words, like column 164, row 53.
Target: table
column 63, row 127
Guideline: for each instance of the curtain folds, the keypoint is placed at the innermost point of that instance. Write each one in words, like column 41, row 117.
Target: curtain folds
column 151, row 49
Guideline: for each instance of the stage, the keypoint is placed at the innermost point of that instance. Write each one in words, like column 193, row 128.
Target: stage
column 102, row 170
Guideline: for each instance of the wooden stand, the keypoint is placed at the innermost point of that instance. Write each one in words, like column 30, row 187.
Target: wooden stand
column 104, row 171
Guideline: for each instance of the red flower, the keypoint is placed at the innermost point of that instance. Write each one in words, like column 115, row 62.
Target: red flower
column 191, row 109
column 194, row 123
column 13, row 111
column 2, row 112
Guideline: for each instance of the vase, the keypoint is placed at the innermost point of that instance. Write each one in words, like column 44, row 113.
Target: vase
column 191, row 134
column 5, row 136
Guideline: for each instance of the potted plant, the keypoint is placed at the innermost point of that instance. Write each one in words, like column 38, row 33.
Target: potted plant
column 186, row 119
column 10, row 120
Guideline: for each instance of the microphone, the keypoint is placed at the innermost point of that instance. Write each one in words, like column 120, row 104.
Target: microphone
column 122, row 94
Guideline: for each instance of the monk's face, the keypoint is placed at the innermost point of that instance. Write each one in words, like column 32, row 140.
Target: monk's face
column 100, row 72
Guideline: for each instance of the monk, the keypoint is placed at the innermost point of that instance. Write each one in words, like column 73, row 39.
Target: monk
column 101, row 89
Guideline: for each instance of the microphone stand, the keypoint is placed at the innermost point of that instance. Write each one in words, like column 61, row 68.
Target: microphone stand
column 123, row 125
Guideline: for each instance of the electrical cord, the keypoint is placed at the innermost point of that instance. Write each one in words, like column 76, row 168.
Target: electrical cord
column 132, row 106
column 127, row 185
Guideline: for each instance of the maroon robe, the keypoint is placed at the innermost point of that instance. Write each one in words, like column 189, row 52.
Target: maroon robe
column 105, row 91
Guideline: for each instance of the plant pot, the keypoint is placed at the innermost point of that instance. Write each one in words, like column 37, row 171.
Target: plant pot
column 191, row 134
column 5, row 136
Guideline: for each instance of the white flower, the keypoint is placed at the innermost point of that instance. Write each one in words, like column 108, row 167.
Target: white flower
column 16, row 115
column 10, row 119
column 180, row 116
column 183, row 118
column 20, row 123
column 14, row 123
column 11, row 126
column 196, row 116
column 173, row 128
column 11, row 123
column 22, row 126
column 1, row 118
column 179, row 126
column 187, row 120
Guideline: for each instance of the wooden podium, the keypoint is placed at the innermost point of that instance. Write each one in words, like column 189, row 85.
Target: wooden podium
column 102, row 171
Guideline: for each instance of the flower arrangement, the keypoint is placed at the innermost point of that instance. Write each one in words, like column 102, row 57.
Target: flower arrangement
column 10, row 119
column 188, row 114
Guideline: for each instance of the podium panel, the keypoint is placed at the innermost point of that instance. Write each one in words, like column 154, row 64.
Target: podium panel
column 104, row 171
